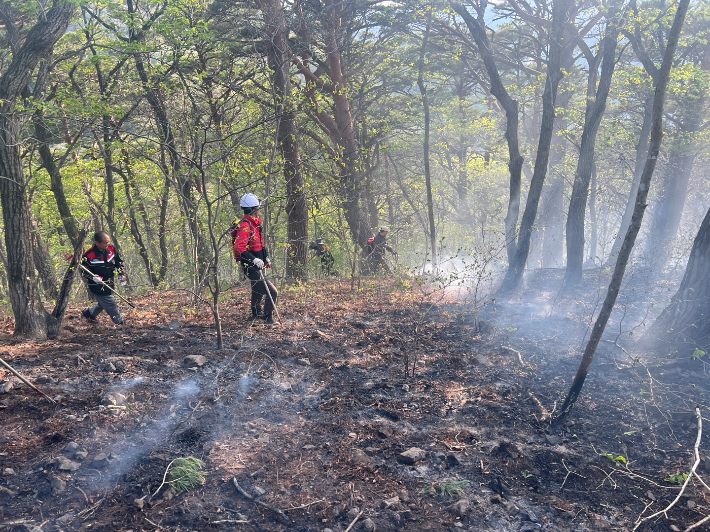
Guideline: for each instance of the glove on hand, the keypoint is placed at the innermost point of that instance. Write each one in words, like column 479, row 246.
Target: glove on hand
column 97, row 279
column 258, row 263
column 268, row 263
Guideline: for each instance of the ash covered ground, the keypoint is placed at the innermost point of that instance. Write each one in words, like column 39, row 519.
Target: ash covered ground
column 384, row 409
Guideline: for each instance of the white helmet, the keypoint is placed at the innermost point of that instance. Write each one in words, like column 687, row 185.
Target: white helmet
column 384, row 229
column 249, row 201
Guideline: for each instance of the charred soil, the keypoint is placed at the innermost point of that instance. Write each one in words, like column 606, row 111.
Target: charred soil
column 375, row 410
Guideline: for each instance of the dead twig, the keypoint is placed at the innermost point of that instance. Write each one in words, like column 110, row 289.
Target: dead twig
column 303, row 505
column 699, row 523
column 222, row 521
column 569, row 472
column 687, row 480
column 284, row 518
column 28, row 383
column 354, row 521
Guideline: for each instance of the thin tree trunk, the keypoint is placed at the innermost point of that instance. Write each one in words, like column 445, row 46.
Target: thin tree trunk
column 593, row 215
column 637, row 218
column 514, row 275
column 427, row 168
column 596, row 103
column 641, row 152
column 515, row 160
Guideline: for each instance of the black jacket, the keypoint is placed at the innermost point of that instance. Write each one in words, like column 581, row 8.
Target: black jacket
column 103, row 264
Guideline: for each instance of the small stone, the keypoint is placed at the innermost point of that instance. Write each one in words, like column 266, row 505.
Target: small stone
column 459, row 508
column 308, row 447
column 403, row 496
column 360, row 458
column 405, row 387
column 690, row 504
column 8, row 471
column 139, row 503
column 385, row 431
column 174, row 325
column 675, row 528
column 496, row 498
column 100, row 461
column 368, row 525
column 5, row 386
column 81, row 454
column 71, row 448
column 194, row 361
column 352, row 512
column 303, row 362
column 650, row 495
column 108, row 366
column 64, row 464
column 259, row 491
column 480, row 360
column 327, row 530
column 58, row 485
column 369, row 385
column 412, row 456
column 113, row 399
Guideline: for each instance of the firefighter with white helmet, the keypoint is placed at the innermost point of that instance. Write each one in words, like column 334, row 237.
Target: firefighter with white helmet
column 249, row 245
column 375, row 250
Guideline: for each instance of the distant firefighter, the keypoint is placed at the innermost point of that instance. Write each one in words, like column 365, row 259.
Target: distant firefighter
column 375, row 252
column 327, row 261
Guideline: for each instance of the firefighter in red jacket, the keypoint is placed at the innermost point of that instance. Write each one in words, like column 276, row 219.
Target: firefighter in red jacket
column 102, row 261
column 250, row 251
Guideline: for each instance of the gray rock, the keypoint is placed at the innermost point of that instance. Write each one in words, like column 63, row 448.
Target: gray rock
column 453, row 459
column 64, row 464
column 327, row 530
column 100, row 461
column 368, row 525
column 174, row 325
column 412, row 456
column 352, row 512
column 459, row 508
column 8, row 471
column 360, row 458
column 303, row 362
column 405, row 387
column 259, row 491
column 5, row 386
column 81, row 454
column 108, row 366
column 194, row 361
column 511, row 508
column 113, row 399
column 58, row 485
column 386, row 503
column 71, row 448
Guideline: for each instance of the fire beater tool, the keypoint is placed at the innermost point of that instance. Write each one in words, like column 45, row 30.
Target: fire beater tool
column 28, row 383
column 261, row 273
column 107, row 286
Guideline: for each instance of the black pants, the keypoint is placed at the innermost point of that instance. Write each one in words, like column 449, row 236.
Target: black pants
column 259, row 292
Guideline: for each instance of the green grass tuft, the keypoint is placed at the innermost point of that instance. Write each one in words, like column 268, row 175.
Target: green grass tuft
column 186, row 474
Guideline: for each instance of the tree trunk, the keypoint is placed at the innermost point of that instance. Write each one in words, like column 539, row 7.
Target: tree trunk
column 686, row 320
column 514, row 275
column 427, row 168
column 31, row 319
column 515, row 160
column 56, row 184
column 641, row 152
column 637, row 218
column 596, row 103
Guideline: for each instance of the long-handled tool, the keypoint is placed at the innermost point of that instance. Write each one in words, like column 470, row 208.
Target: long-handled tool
column 268, row 292
column 28, row 383
column 107, row 285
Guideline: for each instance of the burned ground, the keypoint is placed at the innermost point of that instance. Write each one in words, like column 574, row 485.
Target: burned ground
column 312, row 418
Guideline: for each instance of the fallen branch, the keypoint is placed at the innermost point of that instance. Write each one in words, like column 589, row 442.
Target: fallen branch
column 696, row 525
column 354, row 521
column 687, row 480
column 256, row 501
column 28, row 383
column 304, row 505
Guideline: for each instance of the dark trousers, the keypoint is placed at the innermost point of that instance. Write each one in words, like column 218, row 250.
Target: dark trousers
column 259, row 291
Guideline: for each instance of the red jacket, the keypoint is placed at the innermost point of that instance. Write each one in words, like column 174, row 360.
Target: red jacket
column 248, row 238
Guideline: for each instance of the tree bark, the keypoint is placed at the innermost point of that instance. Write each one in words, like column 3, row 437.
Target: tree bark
column 514, row 275
column 686, row 320
column 596, row 103
column 637, row 218
column 515, row 160
column 31, row 319
column 427, row 125
column 287, row 139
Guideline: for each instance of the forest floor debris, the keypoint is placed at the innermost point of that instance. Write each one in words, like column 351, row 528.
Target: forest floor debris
column 319, row 445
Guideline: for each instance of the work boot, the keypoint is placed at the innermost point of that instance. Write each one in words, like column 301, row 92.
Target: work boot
column 256, row 313
column 87, row 316
column 269, row 320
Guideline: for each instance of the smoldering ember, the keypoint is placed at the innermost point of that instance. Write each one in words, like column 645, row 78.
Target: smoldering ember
column 354, row 266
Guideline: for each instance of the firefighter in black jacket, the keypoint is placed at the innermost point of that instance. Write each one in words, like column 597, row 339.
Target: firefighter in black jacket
column 102, row 261
column 376, row 251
